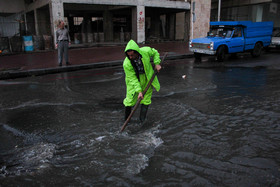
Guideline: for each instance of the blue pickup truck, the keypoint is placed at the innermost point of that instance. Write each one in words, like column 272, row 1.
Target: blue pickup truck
column 230, row 37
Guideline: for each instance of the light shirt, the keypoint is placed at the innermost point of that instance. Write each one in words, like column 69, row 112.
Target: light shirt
column 62, row 34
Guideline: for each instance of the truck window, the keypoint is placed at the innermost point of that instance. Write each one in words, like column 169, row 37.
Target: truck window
column 237, row 32
column 220, row 32
column 228, row 33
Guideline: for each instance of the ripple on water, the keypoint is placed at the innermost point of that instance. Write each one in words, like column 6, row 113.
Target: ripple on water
column 28, row 160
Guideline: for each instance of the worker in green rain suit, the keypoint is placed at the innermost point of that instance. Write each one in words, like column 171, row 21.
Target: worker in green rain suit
column 138, row 71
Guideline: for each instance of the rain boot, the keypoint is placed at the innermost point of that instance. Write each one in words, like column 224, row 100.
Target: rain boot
column 143, row 112
column 127, row 112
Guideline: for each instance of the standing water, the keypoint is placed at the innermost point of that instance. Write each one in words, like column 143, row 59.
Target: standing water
column 216, row 127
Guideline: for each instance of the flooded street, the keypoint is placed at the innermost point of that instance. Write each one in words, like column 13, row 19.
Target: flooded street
column 216, row 127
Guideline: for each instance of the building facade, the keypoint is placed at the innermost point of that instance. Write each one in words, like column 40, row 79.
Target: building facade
column 252, row 10
column 99, row 21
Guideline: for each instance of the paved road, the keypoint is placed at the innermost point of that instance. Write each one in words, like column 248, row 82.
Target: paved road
column 217, row 127
column 269, row 60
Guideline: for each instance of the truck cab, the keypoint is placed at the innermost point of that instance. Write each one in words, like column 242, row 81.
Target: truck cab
column 233, row 37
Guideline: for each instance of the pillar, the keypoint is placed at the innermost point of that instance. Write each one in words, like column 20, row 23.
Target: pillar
column 171, row 26
column 138, row 24
column 36, row 22
column 57, row 13
column 25, row 23
column 180, row 26
column 187, row 26
column 108, row 28
column 134, row 24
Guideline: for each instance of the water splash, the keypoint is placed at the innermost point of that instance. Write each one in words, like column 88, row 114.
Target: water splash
column 33, row 155
column 136, row 163
column 28, row 160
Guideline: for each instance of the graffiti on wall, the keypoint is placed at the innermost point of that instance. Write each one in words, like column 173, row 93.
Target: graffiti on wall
column 140, row 24
column 141, row 21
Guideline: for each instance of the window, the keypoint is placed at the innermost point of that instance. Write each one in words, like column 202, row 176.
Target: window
column 237, row 32
column 78, row 20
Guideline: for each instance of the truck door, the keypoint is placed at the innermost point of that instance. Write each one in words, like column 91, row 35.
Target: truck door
column 237, row 41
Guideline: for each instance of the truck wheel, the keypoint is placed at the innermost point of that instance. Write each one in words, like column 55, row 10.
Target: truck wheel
column 197, row 56
column 221, row 54
column 257, row 50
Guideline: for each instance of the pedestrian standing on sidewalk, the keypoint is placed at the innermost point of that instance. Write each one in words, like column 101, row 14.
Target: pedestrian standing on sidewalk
column 138, row 71
column 62, row 43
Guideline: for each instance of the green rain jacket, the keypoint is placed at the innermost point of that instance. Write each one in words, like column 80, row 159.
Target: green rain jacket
column 132, row 83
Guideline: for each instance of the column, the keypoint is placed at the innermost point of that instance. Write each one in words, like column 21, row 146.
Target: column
column 138, row 29
column 36, row 22
column 56, row 13
column 187, row 26
column 140, row 24
column 108, row 26
column 171, row 26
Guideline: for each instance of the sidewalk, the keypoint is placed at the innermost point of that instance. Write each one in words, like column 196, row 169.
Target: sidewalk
column 39, row 63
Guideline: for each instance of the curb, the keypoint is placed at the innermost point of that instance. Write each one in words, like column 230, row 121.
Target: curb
column 38, row 72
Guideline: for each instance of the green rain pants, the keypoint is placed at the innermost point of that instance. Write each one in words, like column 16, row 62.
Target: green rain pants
column 147, row 100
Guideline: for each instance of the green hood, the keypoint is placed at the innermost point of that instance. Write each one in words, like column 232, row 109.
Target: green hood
column 132, row 45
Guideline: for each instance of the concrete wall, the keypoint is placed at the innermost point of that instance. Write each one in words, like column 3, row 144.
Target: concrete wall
column 273, row 14
column 148, row 3
column 200, row 18
column 180, row 26
column 11, row 6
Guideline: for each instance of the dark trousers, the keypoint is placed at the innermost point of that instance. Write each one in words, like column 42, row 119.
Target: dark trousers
column 143, row 112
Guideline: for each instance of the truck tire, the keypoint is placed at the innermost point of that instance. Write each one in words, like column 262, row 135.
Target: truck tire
column 197, row 56
column 221, row 53
column 257, row 50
